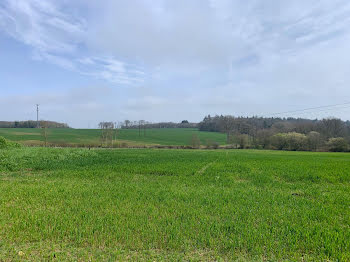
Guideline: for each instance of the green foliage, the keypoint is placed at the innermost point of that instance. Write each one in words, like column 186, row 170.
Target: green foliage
column 161, row 205
column 338, row 144
column 4, row 143
column 290, row 141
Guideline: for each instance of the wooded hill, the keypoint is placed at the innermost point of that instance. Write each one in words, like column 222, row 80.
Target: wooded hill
column 329, row 134
column 32, row 124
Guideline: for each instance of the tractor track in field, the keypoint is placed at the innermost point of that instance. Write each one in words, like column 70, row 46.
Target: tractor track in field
column 204, row 168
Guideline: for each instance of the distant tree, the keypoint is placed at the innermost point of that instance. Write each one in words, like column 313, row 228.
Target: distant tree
column 195, row 141
column 289, row 141
column 264, row 138
column 44, row 132
column 107, row 132
column 184, row 122
column 227, row 126
column 332, row 127
column 31, row 124
column 127, row 123
column 337, row 144
column 283, row 127
column 243, row 141
column 314, row 140
column 142, row 126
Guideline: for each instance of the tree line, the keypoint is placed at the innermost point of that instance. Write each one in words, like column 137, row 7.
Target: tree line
column 32, row 124
column 329, row 134
column 127, row 124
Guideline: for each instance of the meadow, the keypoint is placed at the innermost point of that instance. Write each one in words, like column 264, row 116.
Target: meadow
column 156, row 136
column 158, row 204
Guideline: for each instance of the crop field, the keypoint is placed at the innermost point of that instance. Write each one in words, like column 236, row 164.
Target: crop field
column 156, row 136
column 152, row 204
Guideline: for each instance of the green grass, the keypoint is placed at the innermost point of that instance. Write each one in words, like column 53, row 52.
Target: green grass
column 161, row 136
column 148, row 204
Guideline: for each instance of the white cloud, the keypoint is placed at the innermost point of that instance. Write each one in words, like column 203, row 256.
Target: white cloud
column 57, row 37
column 186, row 58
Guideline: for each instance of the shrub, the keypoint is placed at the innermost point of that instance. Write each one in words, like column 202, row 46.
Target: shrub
column 290, row 141
column 212, row 144
column 4, row 143
column 337, row 144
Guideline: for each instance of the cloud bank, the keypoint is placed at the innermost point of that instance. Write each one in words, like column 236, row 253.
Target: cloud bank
column 168, row 60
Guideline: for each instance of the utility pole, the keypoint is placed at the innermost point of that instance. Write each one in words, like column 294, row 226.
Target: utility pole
column 37, row 115
column 115, row 127
column 139, row 128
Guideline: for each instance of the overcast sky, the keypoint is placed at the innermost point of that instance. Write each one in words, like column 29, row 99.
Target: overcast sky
column 164, row 60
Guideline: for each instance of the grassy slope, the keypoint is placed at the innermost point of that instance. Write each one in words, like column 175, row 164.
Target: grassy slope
column 173, row 205
column 168, row 136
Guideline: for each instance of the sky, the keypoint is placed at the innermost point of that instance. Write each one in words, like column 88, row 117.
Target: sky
column 161, row 60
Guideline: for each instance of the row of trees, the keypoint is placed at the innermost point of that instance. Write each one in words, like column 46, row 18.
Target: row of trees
column 108, row 133
column 127, row 124
column 329, row 134
column 32, row 124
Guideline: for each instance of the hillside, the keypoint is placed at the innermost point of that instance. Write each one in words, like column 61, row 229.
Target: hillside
column 156, row 136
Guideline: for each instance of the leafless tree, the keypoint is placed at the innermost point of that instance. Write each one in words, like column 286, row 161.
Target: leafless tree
column 127, row 123
column 107, row 132
column 44, row 132
column 314, row 140
column 195, row 142
column 333, row 127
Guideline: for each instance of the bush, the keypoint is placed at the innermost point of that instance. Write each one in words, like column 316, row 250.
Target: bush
column 337, row 144
column 212, row 144
column 4, row 143
column 290, row 141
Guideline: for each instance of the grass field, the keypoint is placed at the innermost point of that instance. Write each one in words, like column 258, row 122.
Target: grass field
column 149, row 204
column 160, row 136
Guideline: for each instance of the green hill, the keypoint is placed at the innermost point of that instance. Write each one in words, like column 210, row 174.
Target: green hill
column 157, row 136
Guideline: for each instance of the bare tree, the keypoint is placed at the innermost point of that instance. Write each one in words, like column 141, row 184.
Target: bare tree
column 107, row 132
column 127, row 123
column 44, row 132
column 333, row 127
column 314, row 140
column 195, row 142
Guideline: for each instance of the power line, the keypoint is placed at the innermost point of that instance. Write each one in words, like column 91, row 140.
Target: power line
column 311, row 108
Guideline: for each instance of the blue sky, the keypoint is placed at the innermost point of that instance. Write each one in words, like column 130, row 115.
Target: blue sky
column 162, row 60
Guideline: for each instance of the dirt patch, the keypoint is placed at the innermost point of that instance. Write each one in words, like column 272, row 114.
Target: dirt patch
column 32, row 143
column 25, row 134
